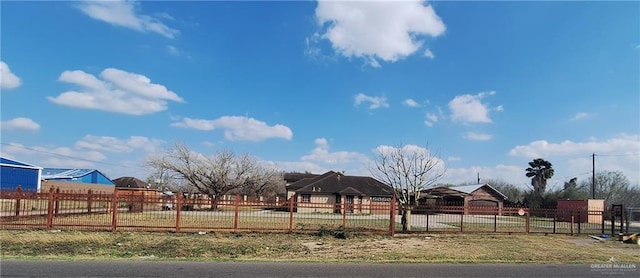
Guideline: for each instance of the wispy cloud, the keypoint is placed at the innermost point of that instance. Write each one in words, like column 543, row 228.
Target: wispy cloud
column 430, row 119
column 238, row 128
column 377, row 30
column 411, row 103
column 580, row 115
column 478, row 136
column 125, row 14
column 428, row 54
column 8, row 80
column 375, row 102
column 118, row 91
column 20, row 124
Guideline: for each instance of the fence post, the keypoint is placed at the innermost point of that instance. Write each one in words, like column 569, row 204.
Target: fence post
column 18, row 199
column 495, row 222
column 236, row 210
column 50, row 208
column 179, row 211
column 579, row 220
column 114, row 207
column 572, row 221
column 57, row 203
column 291, row 214
column 89, row 200
column 555, row 217
column 392, row 216
column 602, row 216
column 344, row 215
column 528, row 221
column 427, row 214
column 464, row 210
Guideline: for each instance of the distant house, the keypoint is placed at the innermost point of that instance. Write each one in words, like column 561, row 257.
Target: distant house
column 14, row 173
column 77, row 180
column 333, row 192
column 131, row 182
column 475, row 197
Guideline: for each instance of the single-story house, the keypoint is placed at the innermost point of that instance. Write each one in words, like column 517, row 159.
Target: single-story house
column 476, row 198
column 14, row 174
column 333, row 192
column 76, row 180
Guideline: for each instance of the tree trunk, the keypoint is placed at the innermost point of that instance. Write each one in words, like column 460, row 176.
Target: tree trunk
column 406, row 220
column 214, row 202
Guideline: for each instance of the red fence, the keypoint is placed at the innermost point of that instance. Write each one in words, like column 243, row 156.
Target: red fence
column 139, row 212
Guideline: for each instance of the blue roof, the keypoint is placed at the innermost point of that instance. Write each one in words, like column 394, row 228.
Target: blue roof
column 10, row 162
column 59, row 173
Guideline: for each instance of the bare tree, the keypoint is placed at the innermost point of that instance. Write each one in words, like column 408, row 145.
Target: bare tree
column 213, row 176
column 266, row 182
column 409, row 170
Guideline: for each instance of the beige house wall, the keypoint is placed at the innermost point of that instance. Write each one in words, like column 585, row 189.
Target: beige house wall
column 326, row 203
column 76, row 187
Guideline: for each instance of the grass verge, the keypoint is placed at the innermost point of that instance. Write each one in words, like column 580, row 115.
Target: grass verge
column 435, row 248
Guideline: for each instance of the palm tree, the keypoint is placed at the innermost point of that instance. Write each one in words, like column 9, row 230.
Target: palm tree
column 539, row 171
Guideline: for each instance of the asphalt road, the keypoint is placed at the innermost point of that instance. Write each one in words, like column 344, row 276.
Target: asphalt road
column 26, row 268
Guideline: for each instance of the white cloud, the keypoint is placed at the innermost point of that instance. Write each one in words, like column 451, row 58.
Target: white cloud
column 428, row 54
column 238, row 128
column 321, row 154
column 8, row 80
column 20, row 124
column 620, row 153
column 623, row 144
column 372, row 30
column 411, row 103
column 580, row 115
column 469, row 108
column 431, row 119
column 478, row 136
column 117, row 145
column 375, row 102
column 118, row 91
column 124, row 13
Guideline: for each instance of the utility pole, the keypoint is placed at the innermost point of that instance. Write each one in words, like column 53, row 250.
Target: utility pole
column 478, row 177
column 593, row 176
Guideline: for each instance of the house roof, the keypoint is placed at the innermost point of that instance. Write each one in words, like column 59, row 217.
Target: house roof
column 14, row 163
column 62, row 173
column 461, row 190
column 294, row 177
column 332, row 183
column 130, row 182
column 307, row 180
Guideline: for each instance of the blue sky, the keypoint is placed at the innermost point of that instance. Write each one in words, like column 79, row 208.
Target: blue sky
column 317, row 86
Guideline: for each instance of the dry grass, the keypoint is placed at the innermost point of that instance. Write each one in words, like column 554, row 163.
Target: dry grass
column 459, row 248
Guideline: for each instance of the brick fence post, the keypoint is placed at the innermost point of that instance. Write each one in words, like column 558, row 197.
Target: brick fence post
column 236, row 210
column 50, row 208
column 392, row 216
column 179, row 211
column 114, row 207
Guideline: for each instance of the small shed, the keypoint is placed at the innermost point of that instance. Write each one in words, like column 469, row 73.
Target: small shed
column 14, row 173
column 582, row 211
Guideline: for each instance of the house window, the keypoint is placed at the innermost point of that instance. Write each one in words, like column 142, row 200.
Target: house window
column 306, row 198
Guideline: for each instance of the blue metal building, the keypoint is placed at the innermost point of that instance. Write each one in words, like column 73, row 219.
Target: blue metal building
column 76, row 175
column 14, row 173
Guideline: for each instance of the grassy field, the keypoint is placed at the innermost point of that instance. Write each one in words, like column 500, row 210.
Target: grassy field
column 324, row 246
